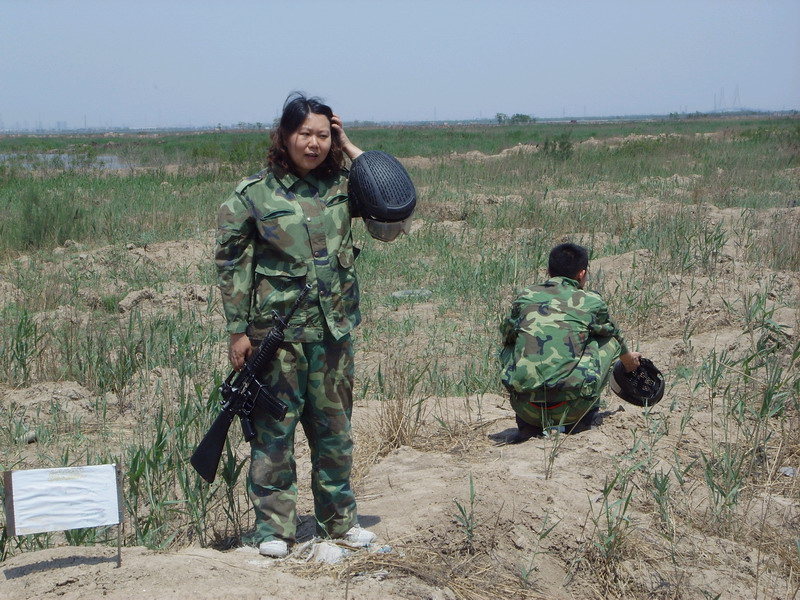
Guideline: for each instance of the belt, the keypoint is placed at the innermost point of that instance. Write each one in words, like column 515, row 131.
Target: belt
column 533, row 398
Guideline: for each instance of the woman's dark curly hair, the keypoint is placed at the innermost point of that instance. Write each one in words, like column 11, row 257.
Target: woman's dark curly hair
column 295, row 110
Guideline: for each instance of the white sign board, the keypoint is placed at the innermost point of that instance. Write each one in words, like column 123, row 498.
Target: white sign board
column 40, row 500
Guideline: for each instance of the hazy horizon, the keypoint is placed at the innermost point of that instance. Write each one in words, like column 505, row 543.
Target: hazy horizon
column 92, row 64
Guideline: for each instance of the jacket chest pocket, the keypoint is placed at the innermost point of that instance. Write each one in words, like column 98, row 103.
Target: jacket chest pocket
column 281, row 225
column 336, row 200
column 276, row 214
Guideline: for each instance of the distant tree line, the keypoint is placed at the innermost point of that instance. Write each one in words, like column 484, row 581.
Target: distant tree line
column 242, row 125
column 516, row 119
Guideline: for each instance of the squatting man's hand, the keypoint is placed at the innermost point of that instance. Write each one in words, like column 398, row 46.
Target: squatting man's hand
column 630, row 360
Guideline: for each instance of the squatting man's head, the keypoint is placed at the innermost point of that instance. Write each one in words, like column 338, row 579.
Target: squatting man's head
column 569, row 260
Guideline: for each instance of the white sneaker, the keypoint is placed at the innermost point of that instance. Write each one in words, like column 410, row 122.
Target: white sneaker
column 357, row 537
column 274, row 549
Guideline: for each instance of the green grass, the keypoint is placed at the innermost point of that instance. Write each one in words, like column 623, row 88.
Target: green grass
column 75, row 244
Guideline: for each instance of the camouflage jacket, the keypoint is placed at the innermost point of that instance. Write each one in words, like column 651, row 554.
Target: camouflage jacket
column 275, row 233
column 547, row 331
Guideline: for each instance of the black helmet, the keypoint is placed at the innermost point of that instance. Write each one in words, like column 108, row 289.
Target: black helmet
column 381, row 188
column 642, row 387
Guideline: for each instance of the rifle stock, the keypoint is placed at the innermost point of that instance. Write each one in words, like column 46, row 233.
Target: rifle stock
column 241, row 392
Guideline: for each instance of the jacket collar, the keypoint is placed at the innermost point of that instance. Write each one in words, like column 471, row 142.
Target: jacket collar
column 559, row 280
column 288, row 180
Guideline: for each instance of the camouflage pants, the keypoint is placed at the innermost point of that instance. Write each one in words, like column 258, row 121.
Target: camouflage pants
column 316, row 381
column 567, row 402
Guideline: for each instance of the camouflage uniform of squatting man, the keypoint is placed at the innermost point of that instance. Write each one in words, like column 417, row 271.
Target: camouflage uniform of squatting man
column 275, row 233
column 559, row 347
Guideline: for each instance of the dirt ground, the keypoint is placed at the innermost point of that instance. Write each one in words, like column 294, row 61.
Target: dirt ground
column 535, row 506
column 408, row 499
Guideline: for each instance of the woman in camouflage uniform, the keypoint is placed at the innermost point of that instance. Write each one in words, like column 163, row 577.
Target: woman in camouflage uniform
column 281, row 228
column 559, row 347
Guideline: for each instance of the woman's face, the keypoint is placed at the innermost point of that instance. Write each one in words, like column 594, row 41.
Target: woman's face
column 308, row 147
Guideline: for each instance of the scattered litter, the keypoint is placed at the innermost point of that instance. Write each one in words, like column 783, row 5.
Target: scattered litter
column 29, row 437
column 788, row 471
column 327, row 552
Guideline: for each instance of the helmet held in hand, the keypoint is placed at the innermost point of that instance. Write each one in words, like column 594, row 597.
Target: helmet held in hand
column 383, row 194
column 643, row 387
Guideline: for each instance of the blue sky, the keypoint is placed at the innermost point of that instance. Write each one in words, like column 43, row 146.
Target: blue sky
column 148, row 63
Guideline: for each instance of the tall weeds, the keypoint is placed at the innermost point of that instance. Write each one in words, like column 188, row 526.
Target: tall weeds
column 685, row 206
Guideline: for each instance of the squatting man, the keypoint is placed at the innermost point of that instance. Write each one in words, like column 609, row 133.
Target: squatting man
column 559, row 345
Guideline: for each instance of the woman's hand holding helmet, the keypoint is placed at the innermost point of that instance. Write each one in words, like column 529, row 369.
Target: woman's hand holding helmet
column 348, row 147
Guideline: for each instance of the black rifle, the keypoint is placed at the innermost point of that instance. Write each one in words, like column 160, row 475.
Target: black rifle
column 241, row 392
